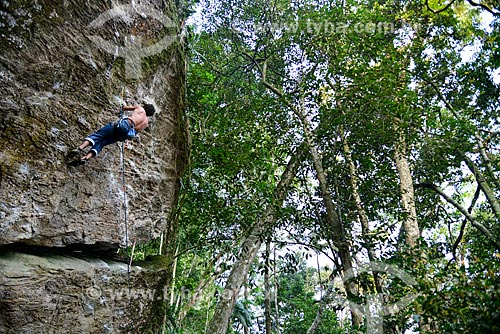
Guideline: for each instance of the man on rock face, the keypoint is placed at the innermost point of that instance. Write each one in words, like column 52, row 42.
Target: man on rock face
column 121, row 130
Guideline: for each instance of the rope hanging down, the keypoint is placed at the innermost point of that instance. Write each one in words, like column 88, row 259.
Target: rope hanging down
column 124, row 205
column 122, row 160
column 124, row 190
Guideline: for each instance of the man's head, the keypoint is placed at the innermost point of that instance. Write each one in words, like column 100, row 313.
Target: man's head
column 149, row 109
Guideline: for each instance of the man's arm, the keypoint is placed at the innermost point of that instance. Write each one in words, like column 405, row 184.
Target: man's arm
column 128, row 108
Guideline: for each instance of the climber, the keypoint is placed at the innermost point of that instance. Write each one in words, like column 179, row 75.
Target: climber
column 121, row 130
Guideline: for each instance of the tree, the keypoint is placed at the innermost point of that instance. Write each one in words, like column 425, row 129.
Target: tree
column 384, row 113
column 249, row 249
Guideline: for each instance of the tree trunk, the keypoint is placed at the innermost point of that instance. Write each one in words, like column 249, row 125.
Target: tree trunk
column 323, row 303
column 335, row 226
column 222, row 315
column 246, row 328
column 207, row 277
column 363, row 217
column 487, row 162
column 267, row 289
column 410, row 224
column 275, row 295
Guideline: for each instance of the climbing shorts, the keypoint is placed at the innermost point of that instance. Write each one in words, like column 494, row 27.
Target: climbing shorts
column 111, row 133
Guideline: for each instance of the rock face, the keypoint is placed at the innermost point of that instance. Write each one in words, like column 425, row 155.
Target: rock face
column 65, row 67
column 58, row 85
column 69, row 294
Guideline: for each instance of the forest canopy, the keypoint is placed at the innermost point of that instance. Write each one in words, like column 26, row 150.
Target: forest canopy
column 341, row 151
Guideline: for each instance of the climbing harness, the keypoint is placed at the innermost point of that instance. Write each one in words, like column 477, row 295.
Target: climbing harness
column 128, row 125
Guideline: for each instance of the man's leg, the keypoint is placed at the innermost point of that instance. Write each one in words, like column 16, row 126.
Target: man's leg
column 104, row 136
column 84, row 159
column 84, row 145
column 79, row 150
column 88, row 155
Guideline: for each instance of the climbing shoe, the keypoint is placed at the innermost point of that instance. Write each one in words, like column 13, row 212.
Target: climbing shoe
column 78, row 162
column 74, row 153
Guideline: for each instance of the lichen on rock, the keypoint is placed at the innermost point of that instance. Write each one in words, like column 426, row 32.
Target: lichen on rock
column 57, row 87
column 78, row 294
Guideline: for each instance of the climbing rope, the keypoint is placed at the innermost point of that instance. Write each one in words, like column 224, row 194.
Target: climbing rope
column 107, row 75
column 125, row 205
column 124, row 186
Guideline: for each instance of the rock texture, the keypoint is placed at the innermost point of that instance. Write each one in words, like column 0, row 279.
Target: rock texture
column 57, row 87
column 70, row 294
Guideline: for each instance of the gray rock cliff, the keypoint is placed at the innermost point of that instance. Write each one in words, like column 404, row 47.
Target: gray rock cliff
column 65, row 68
column 55, row 91
column 77, row 294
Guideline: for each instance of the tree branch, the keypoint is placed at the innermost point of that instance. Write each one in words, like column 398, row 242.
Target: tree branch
column 487, row 161
column 467, row 215
column 437, row 11
column 462, row 227
column 441, row 96
column 483, row 6
column 488, row 192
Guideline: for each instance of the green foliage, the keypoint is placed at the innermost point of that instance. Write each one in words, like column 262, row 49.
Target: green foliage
column 460, row 298
column 242, row 315
column 298, row 304
column 355, row 86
